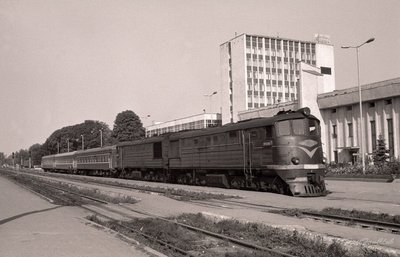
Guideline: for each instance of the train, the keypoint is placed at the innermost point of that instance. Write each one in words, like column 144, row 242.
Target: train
column 281, row 154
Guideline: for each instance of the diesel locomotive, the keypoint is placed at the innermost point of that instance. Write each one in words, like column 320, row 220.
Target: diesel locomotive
column 281, row 154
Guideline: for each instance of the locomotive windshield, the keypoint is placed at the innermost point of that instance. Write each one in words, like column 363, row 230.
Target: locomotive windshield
column 297, row 127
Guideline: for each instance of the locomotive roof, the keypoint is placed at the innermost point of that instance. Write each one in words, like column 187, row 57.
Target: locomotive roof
column 145, row 140
column 247, row 124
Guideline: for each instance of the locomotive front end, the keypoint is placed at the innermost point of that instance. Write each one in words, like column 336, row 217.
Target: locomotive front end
column 298, row 157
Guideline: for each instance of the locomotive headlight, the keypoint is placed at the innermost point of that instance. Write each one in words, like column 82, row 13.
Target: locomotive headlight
column 323, row 160
column 295, row 160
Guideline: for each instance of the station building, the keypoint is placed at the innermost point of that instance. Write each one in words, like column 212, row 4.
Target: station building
column 339, row 114
column 258, row 71
column 199, row 121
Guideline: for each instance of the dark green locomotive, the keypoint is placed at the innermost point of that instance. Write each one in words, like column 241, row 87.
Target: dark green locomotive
column 281, row 154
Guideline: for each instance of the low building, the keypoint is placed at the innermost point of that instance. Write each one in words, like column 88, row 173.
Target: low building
column 199, row 121
column 339, row 113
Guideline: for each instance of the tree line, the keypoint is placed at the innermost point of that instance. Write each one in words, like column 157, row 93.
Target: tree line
column 86, row 135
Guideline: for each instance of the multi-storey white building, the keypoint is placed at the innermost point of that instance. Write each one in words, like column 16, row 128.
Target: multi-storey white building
column 258, row 71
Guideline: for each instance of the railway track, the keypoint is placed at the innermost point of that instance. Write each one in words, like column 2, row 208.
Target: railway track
column 68, row 197
column 231, row 204
column 381, row 226
column 352, row 221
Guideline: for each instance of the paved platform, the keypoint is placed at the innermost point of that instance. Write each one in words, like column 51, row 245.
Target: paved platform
column 31, row 226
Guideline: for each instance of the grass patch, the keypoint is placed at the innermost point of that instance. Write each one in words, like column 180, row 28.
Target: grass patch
column 290, row 242
column 294, row 243
column 382, row 217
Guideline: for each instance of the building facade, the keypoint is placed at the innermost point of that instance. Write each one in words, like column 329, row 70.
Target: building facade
column 258, row 71
column 341, row 116
column 199, row 121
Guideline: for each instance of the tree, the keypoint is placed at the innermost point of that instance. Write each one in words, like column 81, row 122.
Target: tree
column 127, row 127
column 380, row 154
column 37, row 153
column 72, row 136
column 2, row 158
column 21, row 156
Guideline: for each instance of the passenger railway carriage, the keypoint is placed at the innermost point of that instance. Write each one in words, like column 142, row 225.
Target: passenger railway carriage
column 98, row 161
column 281, row 154
column 59, row 162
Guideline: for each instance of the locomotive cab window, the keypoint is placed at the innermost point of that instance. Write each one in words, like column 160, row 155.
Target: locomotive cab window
column 299, row 127
column 283, row 128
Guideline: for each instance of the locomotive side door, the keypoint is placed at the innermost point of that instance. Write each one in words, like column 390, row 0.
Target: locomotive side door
column 247, row 155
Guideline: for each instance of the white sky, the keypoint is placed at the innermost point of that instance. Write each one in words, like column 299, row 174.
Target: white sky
column 66, row 61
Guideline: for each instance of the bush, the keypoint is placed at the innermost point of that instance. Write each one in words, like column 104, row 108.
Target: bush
column 389, row 168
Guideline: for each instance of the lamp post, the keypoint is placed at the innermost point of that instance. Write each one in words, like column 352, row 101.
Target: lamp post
column 360, row 102
column 83, row 144
column 210, row 95
column 68, row 145
column 101, row 138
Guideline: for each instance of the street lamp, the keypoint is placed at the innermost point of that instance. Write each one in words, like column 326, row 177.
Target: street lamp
column 83, row 144
column 101, row 138
column 360, row 102
column 210, row 95
column 68, row 145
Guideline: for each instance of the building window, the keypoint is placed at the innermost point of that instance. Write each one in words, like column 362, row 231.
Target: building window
column 371, row 105
column 333, row 110
column 334, row 135
column 335, row 156
column 373, row 134
column 349, row 107
column 388, row 101
column 350, row 127
column 390, row 134
column 326, row 70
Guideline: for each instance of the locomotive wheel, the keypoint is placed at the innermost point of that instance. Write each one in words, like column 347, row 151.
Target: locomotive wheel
column 237, row 183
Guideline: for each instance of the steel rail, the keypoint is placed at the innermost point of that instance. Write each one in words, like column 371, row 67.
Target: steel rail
column 117, row 222
column 215, row 235
column 381, row 225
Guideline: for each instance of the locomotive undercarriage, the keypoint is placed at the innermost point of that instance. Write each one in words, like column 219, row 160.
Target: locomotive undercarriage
column 266, row 180
column 288, row 182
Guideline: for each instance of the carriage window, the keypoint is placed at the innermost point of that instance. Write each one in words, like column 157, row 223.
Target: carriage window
column 283, row 128
column 298, row 127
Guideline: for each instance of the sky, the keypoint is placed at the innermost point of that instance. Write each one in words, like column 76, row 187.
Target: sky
column 66, row 61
